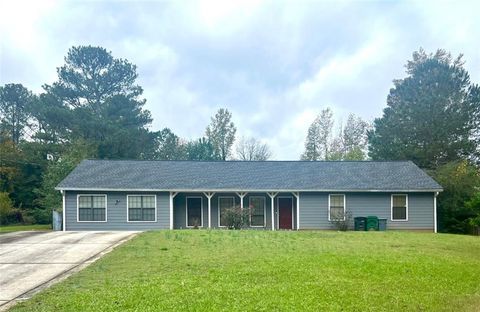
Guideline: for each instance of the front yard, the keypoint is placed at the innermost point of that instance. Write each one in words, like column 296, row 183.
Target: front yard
column 200, row 270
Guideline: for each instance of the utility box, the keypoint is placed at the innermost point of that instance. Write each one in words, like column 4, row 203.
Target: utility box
column 57, row 219
column 360, row 224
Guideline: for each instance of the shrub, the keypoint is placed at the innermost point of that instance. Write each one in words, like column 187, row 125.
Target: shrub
column 236, row 217
column 341, row 220
column 475, row 221
column 41, row 216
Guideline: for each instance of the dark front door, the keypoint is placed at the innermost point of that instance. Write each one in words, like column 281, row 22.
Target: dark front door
column 194, row 212
column 285, row 213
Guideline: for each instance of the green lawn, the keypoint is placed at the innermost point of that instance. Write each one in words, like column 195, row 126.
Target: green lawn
column 201, row 270
column 31, row 227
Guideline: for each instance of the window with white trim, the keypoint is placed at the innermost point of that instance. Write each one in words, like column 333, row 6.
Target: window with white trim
column 141, row 207
column 336, row 207
column 399, row 207
column 223, row 204
column 257, row 211
column 92, row 208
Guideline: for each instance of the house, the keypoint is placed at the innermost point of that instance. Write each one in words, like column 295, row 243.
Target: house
column 297, row 195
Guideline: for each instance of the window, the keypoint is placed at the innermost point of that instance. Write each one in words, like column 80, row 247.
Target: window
column 336, row 207
column 92, row 208
column 224, row 203
column 400, row 207
column 142, row 208
column 257, row 206
column 194, row 212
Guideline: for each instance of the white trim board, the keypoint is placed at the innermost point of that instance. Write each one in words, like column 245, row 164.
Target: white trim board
column 141, row 221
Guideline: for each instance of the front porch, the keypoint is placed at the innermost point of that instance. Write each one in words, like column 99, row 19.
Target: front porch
column 204, row 209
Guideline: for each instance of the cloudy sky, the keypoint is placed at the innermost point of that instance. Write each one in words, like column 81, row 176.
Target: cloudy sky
column 273, row 64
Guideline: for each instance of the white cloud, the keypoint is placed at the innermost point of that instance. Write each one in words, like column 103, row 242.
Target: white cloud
column 274, row 64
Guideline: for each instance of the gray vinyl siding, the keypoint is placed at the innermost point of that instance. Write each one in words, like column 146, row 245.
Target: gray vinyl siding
column 179, row 210
column 117, row 213
column 314, row 209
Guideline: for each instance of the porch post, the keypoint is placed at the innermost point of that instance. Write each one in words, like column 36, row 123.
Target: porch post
column 272, row 198
column 241, row 195
column 297, row 195
column 209, row 196
column 172, row 196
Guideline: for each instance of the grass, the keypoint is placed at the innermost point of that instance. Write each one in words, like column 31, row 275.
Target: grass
column 21, row 227
column 275, row 271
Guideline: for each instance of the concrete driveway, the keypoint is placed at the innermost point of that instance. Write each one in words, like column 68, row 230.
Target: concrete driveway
column 30, row 261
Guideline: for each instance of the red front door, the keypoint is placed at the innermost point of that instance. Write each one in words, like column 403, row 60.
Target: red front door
column 285, row 213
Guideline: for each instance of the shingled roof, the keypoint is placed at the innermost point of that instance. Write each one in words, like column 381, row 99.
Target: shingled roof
column 248, row 176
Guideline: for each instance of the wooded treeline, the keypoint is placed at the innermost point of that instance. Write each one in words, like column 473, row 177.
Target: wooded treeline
column 95, row 109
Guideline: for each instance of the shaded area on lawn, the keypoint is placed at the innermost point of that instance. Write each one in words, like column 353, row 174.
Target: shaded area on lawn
column 264, row 271
column 22, row 227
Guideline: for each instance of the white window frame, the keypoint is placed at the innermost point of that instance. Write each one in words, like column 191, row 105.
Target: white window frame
column 186, row 211
column 137, row 221
column 264, row 211
column 344, row 205
column 278, row 210
column 78, row 208
column 218, row 207
column 391, row 208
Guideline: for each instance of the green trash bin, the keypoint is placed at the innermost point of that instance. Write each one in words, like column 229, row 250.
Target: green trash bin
column 360, row 223
column 382, row 224
column 372, row 223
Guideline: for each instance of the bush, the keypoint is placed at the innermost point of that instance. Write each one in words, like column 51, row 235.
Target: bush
column 236, row 217
column 41, row 216
column 8, row 214
column 475, row 221
column 342, row 220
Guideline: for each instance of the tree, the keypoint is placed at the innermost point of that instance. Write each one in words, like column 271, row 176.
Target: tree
column 9, row 166
column 318, row 137
column 120, row 129
column 170, row 146
column 461, row 182
column 96, row 99
column 221, row 133
column 351, row 142
column 91, row 76
column 48, row 198
column 432, row 115
column 201, row 149
column 252, row 149
column 15, row 108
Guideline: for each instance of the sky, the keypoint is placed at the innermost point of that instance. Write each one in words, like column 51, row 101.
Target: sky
column 274, row 64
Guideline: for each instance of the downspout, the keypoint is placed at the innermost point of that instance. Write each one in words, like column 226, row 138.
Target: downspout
column 435, row 225
column 63, row 211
